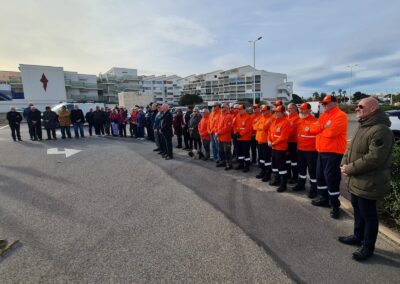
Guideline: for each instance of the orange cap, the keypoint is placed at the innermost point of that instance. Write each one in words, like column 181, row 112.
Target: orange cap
column 278, row 103
column 328, row 99
column 241, row 107
column 256, row 106
column 280, row 109
column 305, row 106
column 265, row 108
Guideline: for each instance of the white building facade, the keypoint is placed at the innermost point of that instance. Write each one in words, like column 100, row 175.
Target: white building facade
column 163, row 89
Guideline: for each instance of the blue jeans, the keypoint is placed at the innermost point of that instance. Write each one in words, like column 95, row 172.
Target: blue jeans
column 80, row 127
column 215, row 147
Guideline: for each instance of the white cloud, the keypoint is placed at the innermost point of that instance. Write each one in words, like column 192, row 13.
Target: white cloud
column 228, row 61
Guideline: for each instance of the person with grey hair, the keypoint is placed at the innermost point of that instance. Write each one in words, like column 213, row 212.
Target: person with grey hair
column 50, row 119
column 35, row 117
column 193, row 129
column 366, row 166
column 78, row 119
column 166, row 130
column 14, row 120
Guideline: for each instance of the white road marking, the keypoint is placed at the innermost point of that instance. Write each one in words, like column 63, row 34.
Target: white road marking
column 67, row 152
column 5, row 126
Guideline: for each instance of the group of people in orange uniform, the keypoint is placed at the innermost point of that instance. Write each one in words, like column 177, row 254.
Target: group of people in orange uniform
column 287, row 142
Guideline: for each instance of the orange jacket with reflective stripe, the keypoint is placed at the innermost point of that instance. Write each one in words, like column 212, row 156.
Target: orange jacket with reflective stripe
column 306, row 140
column 294, row 121
column 243, row 125
column 255, row 117
column 224, row 129
column 213, row 120
column 262, row 127
column 334, row 138
column 279, row 133
column 203, row 128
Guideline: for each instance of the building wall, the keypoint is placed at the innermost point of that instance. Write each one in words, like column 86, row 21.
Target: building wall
column 131, row 99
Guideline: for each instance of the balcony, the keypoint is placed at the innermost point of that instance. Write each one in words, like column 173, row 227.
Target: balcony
column 80, row 85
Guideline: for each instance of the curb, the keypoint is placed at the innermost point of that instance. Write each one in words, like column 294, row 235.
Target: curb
column 383, row 230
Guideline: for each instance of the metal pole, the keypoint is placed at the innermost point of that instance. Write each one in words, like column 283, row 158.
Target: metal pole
column 254, row 77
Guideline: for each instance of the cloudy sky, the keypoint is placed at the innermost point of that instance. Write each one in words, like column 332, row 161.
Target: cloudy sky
column 313, row 41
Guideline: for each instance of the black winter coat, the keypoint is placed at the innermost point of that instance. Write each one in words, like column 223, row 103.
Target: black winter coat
column 77, row 116
column 166, row 124
column 89, row 117
column 14, row 118
column 98, row 117
column 50, row 119
column 35, row 117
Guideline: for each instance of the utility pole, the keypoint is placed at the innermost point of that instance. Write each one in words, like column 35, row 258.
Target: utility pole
column 254, row 66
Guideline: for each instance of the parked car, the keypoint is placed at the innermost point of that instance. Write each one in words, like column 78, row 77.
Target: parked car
column 394, row 116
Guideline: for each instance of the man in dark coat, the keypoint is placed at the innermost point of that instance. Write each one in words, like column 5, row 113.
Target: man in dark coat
column 77, row 120
column 98, row 120
column 26, row 116
column 35, row 117
column 166, row 130
column 186, row 134
column 50, row 119
column 149, row 123
column 178, row 127
column 89, row 120
column 367, row 166
column 14, row 120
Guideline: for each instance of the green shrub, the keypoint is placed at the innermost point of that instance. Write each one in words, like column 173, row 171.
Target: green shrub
column 391, row 203
column 389, row 107
column 347, row 108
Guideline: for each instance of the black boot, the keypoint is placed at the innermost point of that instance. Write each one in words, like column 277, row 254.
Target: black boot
column 313, row 191
column 350, row 240
column 261, row 173
column 300, row 186
column 363, row 253
column 295, row 175
column 320, row 201
column 246, row 166
column 283, row 184
column 240, row 166
column 275, row 180
column 267, row 175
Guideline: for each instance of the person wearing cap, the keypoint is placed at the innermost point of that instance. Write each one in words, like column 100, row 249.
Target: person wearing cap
column 242, row 131
column 186, row 134
column 262, row 128
column 278, row 140
column 293, row 117
column 254, row 145
column 366, row 166
column 306, row 152
column 204, row 134
column 193, row 129
column 278, row 103
column 331, row 139
column 235, row 113
column 224, row 136
column 212, row 129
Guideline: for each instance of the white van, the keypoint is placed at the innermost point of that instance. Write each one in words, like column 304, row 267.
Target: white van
column 83, row 106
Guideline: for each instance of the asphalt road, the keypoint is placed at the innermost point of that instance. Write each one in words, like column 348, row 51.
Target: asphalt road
column 117, row 213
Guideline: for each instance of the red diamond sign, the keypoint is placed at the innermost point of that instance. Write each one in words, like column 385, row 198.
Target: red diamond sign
column 44, row 82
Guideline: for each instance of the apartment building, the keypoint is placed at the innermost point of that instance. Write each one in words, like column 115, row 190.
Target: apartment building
column 240, row 83
column 117, row 80
column 163, row 89
column 80, row 87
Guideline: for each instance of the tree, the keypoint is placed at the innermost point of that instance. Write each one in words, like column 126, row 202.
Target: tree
column 189, row 99
column 359, row 96
column 296, row 99
column 316, row 96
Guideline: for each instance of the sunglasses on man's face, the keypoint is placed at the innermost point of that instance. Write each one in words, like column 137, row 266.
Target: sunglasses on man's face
column 360, row 106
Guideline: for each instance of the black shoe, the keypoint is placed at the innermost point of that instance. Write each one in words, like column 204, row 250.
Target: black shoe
column 299, row 187
column 19, row 139
column 320, row 201
column 63, row 137
column 292, row 181
column 48, row 139
column 157, row 150
column 160, row 153
column 266, row 177
column 350, row 240
column 362, row 253
column 221, row 165
column 227, row 168
column 312, row 194
column 168, row 157
column 261, row 174
column 239, row 167
column 274, row 182
column 15, row 140
column 335, row 212
column 282, row 187
column 164, row 155
column 246, row 169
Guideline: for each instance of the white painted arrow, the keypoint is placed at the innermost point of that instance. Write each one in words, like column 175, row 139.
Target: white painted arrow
column 67, row 152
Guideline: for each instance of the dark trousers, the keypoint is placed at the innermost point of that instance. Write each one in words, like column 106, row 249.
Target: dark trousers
column 162, row 143
column 90, row 129
column 37, row 130
column 179, row 138
column 365, row 220
column 206, row 145
column 234, row 144
column 97, row 128
column 51, row 132
column 307, row 160
column 197, row 143
column 264, row 152
column 279, row 162
column 254, row 146
column 329, row 176
column 15, row 131
column 30, row 128
column 132, row 129
column 139, row 132
column 106, row 128
column 187, row 138
column 78, row 126
column 150, row 133
column 243, row 151
column 168, row 145
column 225, row 152
column 122, row 130
column 291, row 161
column 65, row 129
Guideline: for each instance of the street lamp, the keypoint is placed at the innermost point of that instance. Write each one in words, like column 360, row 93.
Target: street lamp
column 351, row 77
column 254, row 66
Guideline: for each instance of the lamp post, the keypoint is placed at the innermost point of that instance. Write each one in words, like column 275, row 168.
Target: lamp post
column 351, row 77
column 254, row 66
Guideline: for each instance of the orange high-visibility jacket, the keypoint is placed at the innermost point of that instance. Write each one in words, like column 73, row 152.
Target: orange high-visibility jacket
column 203, row 128
column 279, row 133
column 294, row 120
column 243, row 125
column 262, row 128
column 255, row 117
column 213, row 120
column 306, row 140
column 224, row 129
column 334, row 138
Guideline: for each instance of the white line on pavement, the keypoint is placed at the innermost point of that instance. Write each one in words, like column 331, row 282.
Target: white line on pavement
column 4, row 127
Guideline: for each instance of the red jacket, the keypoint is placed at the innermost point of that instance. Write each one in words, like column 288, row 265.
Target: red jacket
column 224, row 129
column 279, row 133
column 306, row 140
column 294, row 121
column 262, row 127
column 243, row 125
column 203, row 128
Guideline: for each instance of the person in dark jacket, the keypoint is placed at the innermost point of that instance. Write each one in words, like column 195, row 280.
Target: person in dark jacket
column 178, row 127
column 186, row 134
column 149, row 123
column 25, row 114
column 140, row 121
column 166, row 131
column 123, row 120
column 366, row 166
column 50, row 120
column 98, row 121
column 35, row 117
column 14, row 120
column 156, row 109
column 89, row 120
column 78, row 120
column 107, row 121
column 193, row 128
